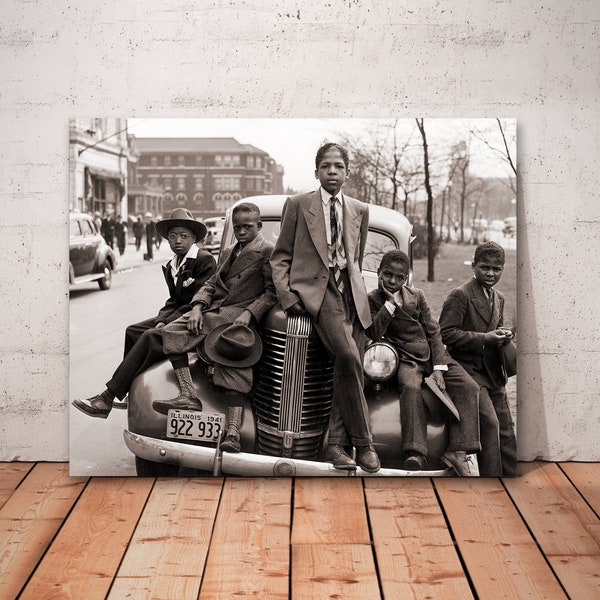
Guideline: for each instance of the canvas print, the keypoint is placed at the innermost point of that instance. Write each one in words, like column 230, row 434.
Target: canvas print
column 293, row 297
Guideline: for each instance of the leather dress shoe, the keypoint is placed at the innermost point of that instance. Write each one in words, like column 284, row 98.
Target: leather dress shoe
column 367, row 459
column 336, row 455
column 415, row 462
column 93, row 407
column 464, row 465
column 180, row 403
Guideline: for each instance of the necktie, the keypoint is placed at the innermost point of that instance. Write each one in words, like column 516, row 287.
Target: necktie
column 335, row 244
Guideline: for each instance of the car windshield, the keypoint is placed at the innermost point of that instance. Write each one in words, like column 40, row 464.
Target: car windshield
column 378, row 243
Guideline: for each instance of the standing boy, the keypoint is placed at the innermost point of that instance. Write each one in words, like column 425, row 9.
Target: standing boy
column 471, row 323
column 234, row 300
column 185, row 273
column 317, row 265
column 402, row 316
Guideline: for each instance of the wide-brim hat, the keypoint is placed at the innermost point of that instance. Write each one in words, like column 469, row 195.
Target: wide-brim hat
column 181, row 217
column 233, row 345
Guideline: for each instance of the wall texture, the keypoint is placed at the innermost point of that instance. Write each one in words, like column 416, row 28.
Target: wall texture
column 536, row 61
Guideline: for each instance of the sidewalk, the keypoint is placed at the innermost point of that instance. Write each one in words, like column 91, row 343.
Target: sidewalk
column 133, row 258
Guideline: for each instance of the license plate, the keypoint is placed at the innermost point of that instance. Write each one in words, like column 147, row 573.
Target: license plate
column 192, row 425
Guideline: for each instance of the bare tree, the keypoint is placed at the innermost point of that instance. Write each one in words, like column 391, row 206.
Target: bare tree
column 430, row 240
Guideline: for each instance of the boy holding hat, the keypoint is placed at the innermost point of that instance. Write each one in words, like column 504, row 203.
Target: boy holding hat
column 184, row 274
column 225, row 313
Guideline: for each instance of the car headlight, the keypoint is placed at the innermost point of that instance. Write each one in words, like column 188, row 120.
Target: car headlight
column 380, row 361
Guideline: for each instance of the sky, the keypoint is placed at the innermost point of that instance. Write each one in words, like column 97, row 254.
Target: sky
column 294, row 142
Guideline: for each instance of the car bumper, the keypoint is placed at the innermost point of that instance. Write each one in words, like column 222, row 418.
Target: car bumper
column 246, row 464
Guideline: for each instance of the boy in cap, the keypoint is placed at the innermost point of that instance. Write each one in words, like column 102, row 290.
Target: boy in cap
column 224, row 316
column 184, row 274
column 471, row 322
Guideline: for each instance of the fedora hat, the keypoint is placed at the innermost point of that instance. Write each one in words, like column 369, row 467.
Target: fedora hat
column 181, row 217
column 233, row 345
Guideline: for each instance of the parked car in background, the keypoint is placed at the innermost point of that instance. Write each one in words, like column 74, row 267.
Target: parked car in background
column 214, row 233
column 284, row 427
column 90, row 257
column 510, row 227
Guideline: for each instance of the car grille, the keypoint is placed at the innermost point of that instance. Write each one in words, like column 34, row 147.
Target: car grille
column 293, row 391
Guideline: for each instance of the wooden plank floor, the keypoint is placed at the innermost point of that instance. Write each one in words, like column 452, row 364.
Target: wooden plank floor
column 534, row 536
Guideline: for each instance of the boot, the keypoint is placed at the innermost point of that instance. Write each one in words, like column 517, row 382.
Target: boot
column 187, row 399
column 231, row 443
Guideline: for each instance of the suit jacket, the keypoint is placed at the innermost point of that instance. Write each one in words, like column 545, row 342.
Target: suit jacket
column 300, row 262
column 411, row 329
column 465, row 319
column 198, row 270
column 244, row 285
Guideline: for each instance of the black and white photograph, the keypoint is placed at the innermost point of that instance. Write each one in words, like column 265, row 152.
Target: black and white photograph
column 293, row 297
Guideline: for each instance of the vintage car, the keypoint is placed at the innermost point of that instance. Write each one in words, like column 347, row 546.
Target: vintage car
column 214, row 233
column 284, row 428
column 90, row 257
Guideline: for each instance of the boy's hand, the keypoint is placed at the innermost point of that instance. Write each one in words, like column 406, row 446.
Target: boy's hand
column 438, row 377
column 297, row 309
column 495, row 338
column 386, row 293
column 244, row 318
column 159, row 325
column 195, row 320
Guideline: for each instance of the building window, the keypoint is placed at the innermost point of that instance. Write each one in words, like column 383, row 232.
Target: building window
column 199, row 183
column 218, row 160
column 181, row 160
column 227, row 182
column 167, row 160
column 154, row 161
column 168, row 184
column 198, row 159
column 258, row 162
column 198, row 198
column 181, row 199
column 181, row 183
column 250, row 162
column 100, row 189
column 235, row 197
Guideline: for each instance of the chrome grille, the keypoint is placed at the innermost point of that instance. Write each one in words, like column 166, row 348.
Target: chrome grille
column 293, row 391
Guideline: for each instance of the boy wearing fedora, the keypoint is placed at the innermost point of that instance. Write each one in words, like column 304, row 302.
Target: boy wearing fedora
column 184, row 274
column 224, row 316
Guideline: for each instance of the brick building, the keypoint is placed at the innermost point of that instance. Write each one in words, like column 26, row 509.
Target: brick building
column 205, row 175
column 98, row 161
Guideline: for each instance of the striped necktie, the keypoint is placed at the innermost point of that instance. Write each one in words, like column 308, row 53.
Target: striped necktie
column 335, row 245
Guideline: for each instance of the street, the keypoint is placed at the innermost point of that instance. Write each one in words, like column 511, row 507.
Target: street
column 97, row 327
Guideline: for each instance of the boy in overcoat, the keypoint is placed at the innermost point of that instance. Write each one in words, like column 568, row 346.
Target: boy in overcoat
column 403, row 318
column 185, row 273
column 317, row 265
column 471, row 323
column 241, row 292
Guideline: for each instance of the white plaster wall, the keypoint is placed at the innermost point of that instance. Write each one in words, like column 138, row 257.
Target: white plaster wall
column 537, row 61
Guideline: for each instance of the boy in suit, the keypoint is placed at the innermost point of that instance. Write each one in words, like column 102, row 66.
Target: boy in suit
column 471, row 323
column 402, row 316
column 184, row 273
column 316, row 266
column 238, row 295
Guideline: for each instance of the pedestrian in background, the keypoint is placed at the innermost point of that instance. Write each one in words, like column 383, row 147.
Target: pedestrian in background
column 150, row 233
column 138, row 232
column 121, row 234
column 107, row 229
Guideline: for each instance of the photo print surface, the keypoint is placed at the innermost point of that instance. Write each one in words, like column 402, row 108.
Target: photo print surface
column 282, row 297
